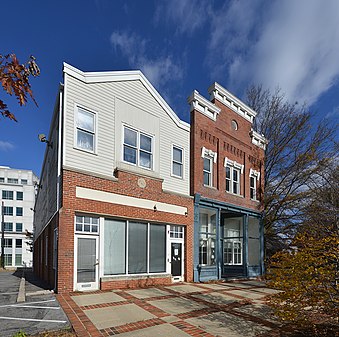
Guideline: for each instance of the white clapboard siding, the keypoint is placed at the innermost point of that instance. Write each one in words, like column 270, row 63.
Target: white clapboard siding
column 118, row 103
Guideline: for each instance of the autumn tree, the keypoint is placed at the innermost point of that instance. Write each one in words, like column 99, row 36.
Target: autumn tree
column 298, row 149
column 308, row 272
column 14, row 79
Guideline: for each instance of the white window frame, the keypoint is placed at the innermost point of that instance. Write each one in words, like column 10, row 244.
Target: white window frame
column 256, row 176
column 91, row 224
column 177, row 162
column 233, row 166
column 19, row 193
column 77, row 127
column 137, row 148
column 212, row 157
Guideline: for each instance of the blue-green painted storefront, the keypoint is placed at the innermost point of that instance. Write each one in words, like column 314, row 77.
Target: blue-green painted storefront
column 228, row 241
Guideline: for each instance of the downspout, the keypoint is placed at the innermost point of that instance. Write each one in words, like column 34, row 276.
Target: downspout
column 58, row 180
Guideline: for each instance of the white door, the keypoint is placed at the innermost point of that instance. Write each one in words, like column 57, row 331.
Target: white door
column 86, row 263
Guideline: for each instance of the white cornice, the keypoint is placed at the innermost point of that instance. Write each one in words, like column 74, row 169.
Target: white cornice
column 258, row 139
column 130, row 75
column 224, row 96
column 201, row 104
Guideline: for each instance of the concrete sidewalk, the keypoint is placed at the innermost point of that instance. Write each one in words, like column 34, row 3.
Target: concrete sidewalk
column 204, row 309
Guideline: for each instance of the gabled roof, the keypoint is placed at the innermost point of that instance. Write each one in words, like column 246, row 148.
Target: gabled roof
column 130, row 75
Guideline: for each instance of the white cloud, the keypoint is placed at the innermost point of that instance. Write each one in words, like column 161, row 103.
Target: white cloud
column 6, row 146
column 334, row 113
column 159, row 70
column 188, row 15
column 295, row 46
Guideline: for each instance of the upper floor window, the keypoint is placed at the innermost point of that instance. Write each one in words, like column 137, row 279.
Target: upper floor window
column 2, row 179
column 18, row 227
column 12, row 180
column 233, row 173
column 7, row 195
column 209, row 157
column 19, row 211
column 254, row 177
column 85, row 130
column 137, row 148
column 8, row 210
column 177, row 161
column 208, row 171
column 24, row 181
column 19, row 195
column 232, row 180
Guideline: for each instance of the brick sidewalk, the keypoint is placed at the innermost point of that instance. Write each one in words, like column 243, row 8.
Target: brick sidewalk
column 216, row 309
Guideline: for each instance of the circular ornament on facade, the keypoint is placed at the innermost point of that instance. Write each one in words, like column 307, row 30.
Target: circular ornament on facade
column 234, row 125
column 142, row 182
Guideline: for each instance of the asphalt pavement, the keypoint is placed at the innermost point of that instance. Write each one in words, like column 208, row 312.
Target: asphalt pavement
column 27, row 305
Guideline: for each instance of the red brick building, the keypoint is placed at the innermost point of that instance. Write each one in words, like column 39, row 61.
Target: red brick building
column 227, row 172
column 113, row 208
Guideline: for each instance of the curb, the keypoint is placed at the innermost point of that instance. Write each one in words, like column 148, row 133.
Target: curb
column 21, row 296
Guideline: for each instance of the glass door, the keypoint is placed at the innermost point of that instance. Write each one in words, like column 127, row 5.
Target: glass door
column 87, row 263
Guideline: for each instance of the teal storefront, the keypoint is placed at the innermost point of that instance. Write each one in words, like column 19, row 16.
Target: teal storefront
column 228, row 241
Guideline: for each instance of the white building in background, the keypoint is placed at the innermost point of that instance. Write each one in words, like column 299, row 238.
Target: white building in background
column 17, row 192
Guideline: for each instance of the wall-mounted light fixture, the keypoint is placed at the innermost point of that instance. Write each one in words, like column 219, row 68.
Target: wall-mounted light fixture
column 32, row 209
column 155, row 208
column 43, row 139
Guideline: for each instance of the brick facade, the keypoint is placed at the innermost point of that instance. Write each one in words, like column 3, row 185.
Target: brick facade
column 125, row 184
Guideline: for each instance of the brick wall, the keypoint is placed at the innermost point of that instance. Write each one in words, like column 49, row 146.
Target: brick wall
column 126, row 184
column 236, row 145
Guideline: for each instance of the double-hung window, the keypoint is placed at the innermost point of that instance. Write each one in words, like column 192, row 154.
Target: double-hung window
column 138, row 148
column 19, row 195
column 254, row 177
column 19, row 211
column 233, row 174
column 8, row 226
column 177, row 161
column 12, row 180
column 85, row 130
column 208, row 165
column 7, row 195
column 209, row 158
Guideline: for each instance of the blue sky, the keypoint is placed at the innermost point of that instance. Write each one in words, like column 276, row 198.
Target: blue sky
column 180, row 45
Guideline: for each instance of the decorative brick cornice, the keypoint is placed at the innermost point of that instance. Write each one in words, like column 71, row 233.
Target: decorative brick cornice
column 219, row 93
column 258, row 139
column 201, row 104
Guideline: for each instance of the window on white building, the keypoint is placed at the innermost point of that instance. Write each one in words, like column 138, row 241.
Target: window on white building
column 177, row 161
column 85, row 130
column 138, row 148
column 24, row 181
column 12, row 180
column 19, row 211
column 8, row 210
column 19, row 195
column 18, row 227
column 7, row 195
column 8, row 226
column 2, row 179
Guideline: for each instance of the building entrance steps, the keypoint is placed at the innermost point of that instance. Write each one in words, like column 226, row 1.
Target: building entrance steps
column 183, row 309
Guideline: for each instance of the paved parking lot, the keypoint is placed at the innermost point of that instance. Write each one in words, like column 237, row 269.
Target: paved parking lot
column 209, row 309
column 37, row 310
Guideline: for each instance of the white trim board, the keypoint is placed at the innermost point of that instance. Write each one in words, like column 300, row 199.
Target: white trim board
column 113, row 198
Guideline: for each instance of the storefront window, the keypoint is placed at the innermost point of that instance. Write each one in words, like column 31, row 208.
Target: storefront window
column 207, row 234
column 253, row 241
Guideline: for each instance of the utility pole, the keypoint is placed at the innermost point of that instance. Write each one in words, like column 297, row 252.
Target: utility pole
column 2, row 235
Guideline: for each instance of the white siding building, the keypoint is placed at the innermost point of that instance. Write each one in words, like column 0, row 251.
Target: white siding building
column 17, row 194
